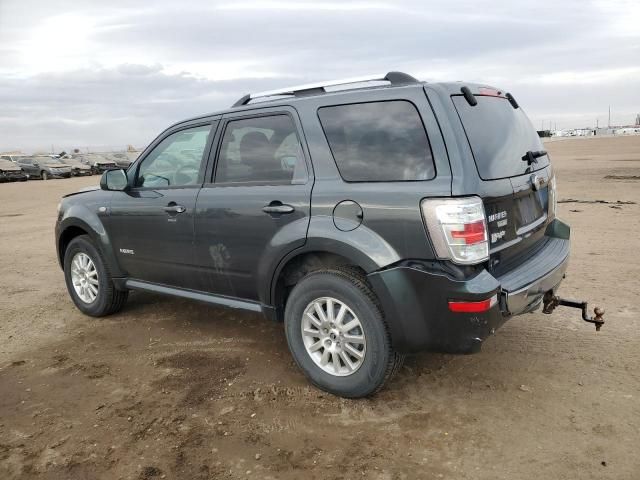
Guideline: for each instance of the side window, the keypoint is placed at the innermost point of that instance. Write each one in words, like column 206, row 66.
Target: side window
column 378, row 141
column 261, row 149
column 176, row 160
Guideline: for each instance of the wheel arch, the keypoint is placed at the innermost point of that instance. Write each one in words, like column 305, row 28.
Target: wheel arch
column 78, row 220
column 314, row 256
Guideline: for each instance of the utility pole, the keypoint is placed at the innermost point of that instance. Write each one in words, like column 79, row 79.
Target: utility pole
column 609, row 121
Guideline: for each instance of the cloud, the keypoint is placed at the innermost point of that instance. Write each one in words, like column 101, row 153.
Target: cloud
column 112, row 73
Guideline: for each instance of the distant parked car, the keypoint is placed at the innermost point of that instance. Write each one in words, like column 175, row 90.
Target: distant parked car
column 10, row 157
column 78, row 168
column 121, row 159
column 98, row 163
column 10, row 172
column 44, row 167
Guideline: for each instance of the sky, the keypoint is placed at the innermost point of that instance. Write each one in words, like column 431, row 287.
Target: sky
column 104, row 74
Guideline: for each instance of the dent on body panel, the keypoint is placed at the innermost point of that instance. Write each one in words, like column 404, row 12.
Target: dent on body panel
column 220, row 256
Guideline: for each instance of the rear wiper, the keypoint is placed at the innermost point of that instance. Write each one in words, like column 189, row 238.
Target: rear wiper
column 532, row 157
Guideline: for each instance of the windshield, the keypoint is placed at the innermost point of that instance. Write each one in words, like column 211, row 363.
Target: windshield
column 499, row 136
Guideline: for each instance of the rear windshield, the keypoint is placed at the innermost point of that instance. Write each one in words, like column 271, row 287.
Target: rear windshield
column 499, row 136
column 378, row 141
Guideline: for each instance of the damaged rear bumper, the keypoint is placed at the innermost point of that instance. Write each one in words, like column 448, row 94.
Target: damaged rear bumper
column 415, row 297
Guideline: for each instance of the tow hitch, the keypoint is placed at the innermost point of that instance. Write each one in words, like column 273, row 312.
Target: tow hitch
column 551, row 301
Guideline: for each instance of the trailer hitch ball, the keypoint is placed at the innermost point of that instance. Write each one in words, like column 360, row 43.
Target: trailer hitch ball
column 551, row 301
column 598, row 320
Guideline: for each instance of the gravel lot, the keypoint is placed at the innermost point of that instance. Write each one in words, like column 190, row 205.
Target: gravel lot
column 175, row 389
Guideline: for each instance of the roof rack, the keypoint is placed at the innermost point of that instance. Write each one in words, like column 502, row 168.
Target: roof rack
column 394, row 78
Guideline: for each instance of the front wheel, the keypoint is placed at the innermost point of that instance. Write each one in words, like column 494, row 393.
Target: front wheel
column 337, row 334
column 89, row 281
column 44, row 175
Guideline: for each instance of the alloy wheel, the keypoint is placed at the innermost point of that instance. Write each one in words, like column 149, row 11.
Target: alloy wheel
column 333, row 336
column 84, row 277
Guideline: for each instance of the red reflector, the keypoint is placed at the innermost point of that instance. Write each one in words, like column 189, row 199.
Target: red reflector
column 490, row 92
column 472, row 233
column 473, row 307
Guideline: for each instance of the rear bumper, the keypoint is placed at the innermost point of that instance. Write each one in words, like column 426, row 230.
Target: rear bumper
column 524, row 287
column 415, row 296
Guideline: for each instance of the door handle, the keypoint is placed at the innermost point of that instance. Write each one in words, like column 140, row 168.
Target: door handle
column 278, row 207
column 175, row 209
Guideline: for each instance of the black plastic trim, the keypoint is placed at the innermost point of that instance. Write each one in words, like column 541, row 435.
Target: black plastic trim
column 194, row 295
column 468, row 96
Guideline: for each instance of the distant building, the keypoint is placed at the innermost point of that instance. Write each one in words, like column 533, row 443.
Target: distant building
column 575, row 132
column 628, row 130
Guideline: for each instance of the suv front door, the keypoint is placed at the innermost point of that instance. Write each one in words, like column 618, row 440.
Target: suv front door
column 151, row 223
column 257, row 207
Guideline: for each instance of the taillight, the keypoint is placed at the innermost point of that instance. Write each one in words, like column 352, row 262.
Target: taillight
column 458, row 228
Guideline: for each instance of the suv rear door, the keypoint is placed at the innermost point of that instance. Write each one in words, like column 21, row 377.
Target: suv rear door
column 255, row 207
column 515, row 189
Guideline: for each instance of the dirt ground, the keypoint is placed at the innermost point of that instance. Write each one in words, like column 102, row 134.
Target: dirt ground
column 175, row 389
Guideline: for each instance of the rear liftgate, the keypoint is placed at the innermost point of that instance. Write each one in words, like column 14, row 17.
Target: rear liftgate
column 551, row 301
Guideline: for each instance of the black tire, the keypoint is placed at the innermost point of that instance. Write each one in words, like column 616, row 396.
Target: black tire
column 348, row 286
column 44, row 175
column 108, row 300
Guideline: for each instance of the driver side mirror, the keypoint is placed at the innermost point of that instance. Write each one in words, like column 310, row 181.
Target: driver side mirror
column 114, row 180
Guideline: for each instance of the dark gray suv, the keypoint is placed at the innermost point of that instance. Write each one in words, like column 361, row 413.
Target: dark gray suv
column 375, row 217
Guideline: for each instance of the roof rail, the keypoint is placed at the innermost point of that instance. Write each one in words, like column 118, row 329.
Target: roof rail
column 394, row 78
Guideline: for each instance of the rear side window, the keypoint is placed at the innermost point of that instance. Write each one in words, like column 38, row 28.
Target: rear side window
column 261, row 150
column 378, row 141
column 499, row 136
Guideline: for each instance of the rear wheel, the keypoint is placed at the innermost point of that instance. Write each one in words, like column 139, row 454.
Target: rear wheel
column 337, row 334
column 89, row 281
column 44, row 175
